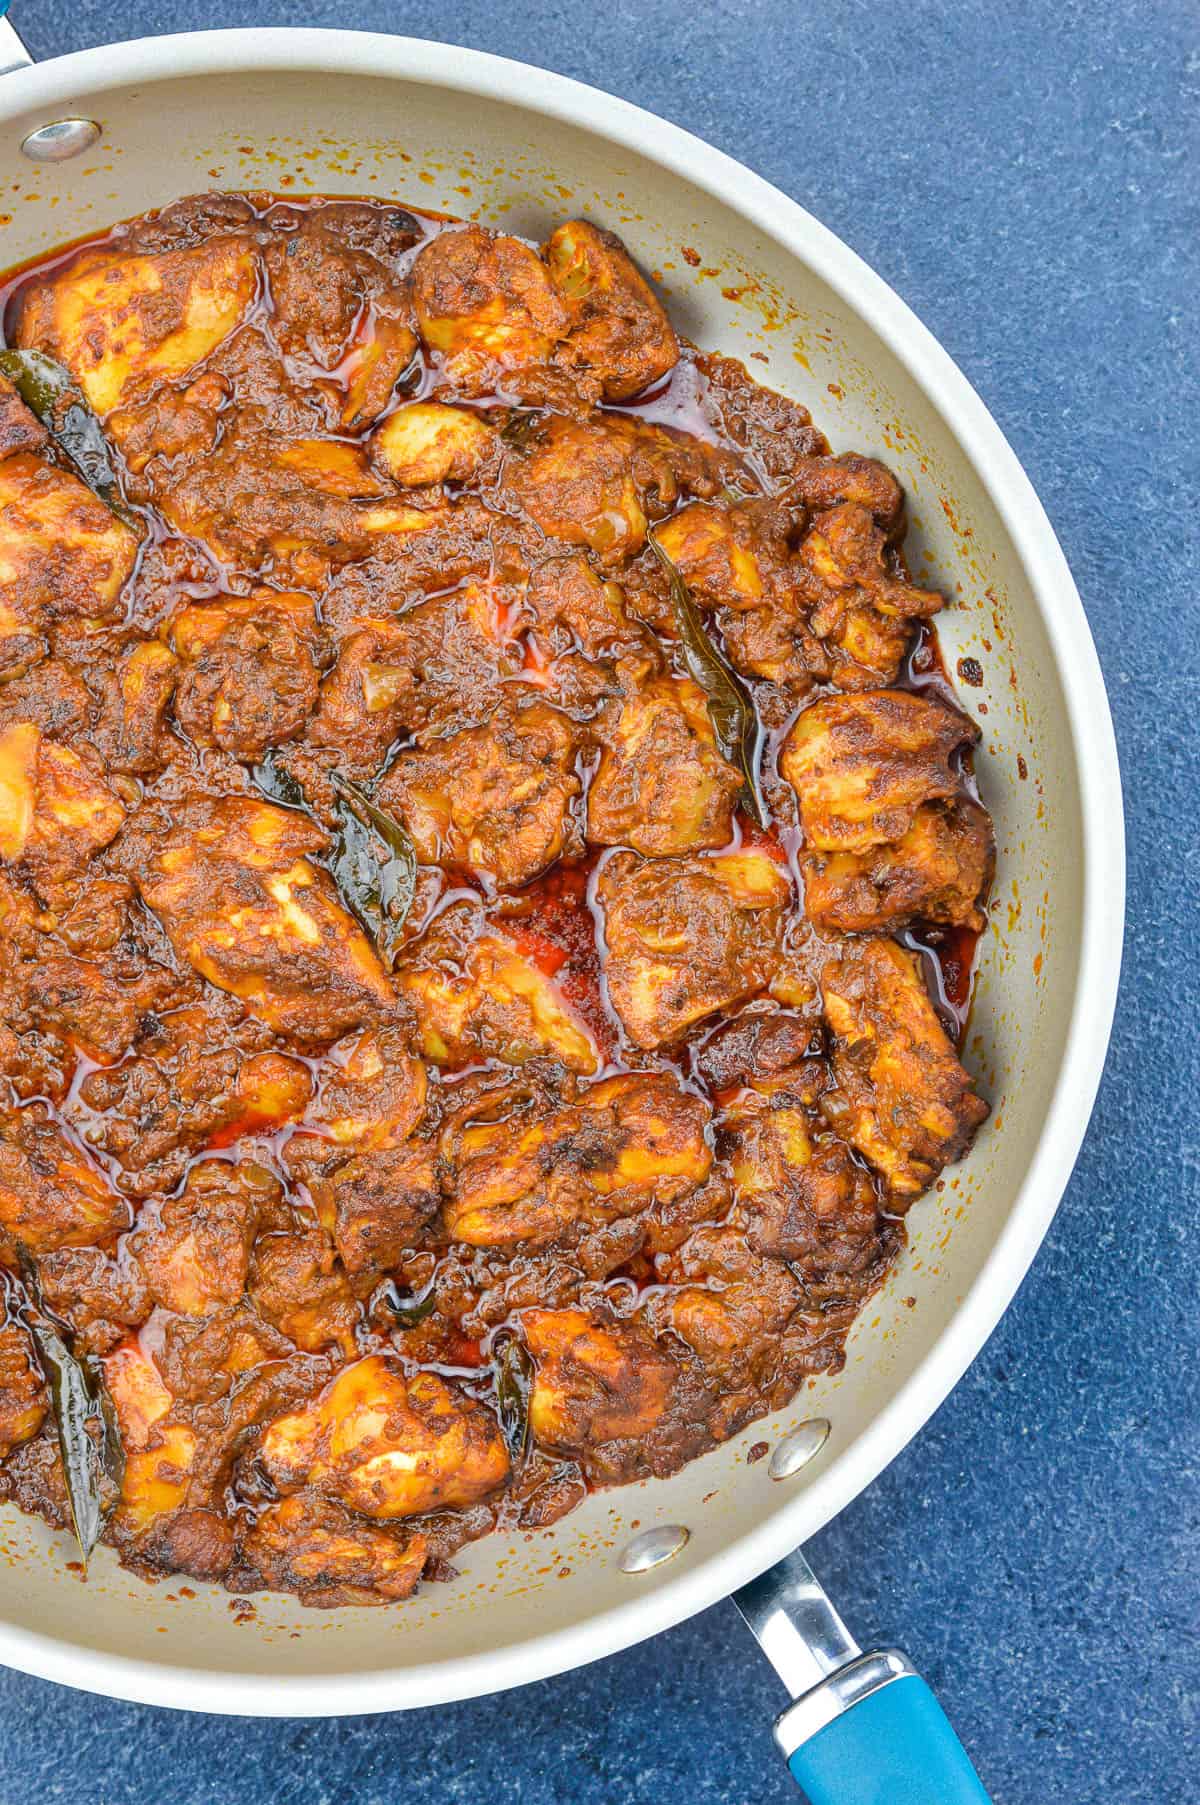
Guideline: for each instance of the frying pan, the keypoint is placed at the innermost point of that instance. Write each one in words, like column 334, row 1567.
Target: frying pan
column 746, row 271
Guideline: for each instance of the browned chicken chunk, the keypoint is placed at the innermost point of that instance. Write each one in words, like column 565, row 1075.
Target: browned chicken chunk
column 485, row 303
column 194, row 1250
column 938, row 869
column 331, row 1557
column 249, row 680
column 56, row 809
column 496, row 800
column 527, row 1171
column 661, row 786
column 598, row 482
column 414, row 673
column 689, row 937
column 51, row 1196
column 388, row 1446
column 595, row 1382
column 63, row 555
column 476, row 995
column 901, row 1097
column 22, row 1393
column 862, row 765
column 121, row 322
column 235, row 888
column 617, row 327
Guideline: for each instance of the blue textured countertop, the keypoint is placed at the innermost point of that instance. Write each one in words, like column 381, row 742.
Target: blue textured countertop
column 1028, row 177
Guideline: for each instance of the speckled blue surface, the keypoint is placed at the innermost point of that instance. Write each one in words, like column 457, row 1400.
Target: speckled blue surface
column 1028, row 177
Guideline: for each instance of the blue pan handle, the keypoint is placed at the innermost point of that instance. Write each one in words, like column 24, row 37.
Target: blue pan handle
column 872, row 1733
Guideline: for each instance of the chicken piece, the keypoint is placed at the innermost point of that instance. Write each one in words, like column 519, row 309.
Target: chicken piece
column 185, row 1088
column 198, row 1542
column 476, row 995
column 485, row 302
column 233, row 1357
column 232, row 883
column 595, row 1382
column 50, row 1196
column 372, row 1092
column 100, row 1006
column 572, row 610
column 121, row 322
column 729, row 557
column 387, row 1446
column 54, row 697
column 298, row 1287
column 249, row 679
column 23, row 1402
column 194, row 1250
column 496, row 800
column 427, row 442
column 661, row 785
column 159, row 1454
column 728, row 1303
column 862, row 765
column 689, row 937
column 331, row 1559
column 768, row 1048
column 846, row 550
column 825, row 482
column 597, row 482
column 861, row 605
column 375, row 364
column 580, row 645
column 55, row 807
column 415, row 672
column 801, row 1194
column 94, row 1290
column 135, row 695
column 900, row 1096
column 379, row 1203
column 63, row 555
column 326, row 282
column 526, row 1171
column 938, row 870
column 292, row 506
column 20, row 429
column 617, row 326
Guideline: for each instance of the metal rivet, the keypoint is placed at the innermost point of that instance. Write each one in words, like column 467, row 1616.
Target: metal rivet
column 798, row 1448
column 652, row 1548
column 59, row 142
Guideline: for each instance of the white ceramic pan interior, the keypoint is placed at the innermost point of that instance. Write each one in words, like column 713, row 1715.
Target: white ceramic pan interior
column 748, row 272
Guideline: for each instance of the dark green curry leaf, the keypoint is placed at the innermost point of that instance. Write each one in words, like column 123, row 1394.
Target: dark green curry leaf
column 374, row 865
column 731, row 707
column 519, row 429
column 53, row 395
column 514, row 1382
column 275, row 781
column 89, row 1436
column 405, row 1312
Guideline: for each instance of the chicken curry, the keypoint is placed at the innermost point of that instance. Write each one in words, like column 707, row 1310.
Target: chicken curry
column 488, row 862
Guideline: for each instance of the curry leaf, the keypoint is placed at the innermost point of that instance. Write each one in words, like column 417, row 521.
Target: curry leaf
column 52, row 394
column 520, row 427
column 89, row 1436
column 405, row 1312
column 514, row 1383
column 275, row 781
column 374, row 865
column 731, row 707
